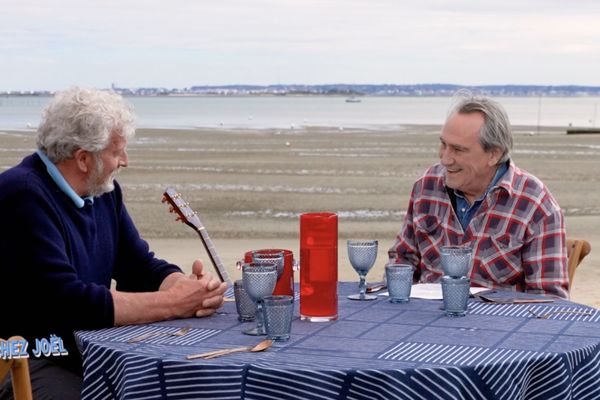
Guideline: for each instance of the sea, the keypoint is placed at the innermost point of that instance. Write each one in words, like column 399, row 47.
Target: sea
column 297, row 112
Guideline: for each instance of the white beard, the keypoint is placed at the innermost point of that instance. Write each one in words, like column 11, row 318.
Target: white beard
column 97, row 187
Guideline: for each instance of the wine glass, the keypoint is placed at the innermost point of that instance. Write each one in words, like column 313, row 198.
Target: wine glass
column 268, row 258
column 259, row 281
column 362, row 255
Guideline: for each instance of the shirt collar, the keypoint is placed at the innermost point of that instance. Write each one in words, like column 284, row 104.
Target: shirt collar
column 62, row 182
column 505, row 181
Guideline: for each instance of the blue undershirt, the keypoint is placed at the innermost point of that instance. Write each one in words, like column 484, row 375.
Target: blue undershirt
column 465, row 211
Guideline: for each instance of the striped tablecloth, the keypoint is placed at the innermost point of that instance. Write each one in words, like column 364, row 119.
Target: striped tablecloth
column 375, row 350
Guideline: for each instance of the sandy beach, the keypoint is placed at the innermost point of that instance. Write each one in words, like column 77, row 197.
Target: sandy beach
column 250, row 186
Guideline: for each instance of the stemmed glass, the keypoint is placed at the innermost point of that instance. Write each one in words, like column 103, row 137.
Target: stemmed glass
column 259, row 281
column 362, row 255
column 270, row 258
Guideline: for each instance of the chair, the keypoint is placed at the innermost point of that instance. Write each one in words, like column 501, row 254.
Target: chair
column 19, row 369
column 577, row 249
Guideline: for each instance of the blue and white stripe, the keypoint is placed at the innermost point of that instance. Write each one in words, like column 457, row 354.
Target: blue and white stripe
column 376, row 350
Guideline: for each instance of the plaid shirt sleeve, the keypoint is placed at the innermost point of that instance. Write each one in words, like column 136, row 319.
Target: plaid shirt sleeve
column 517, row 235
column 404, row 249
column 543, row 253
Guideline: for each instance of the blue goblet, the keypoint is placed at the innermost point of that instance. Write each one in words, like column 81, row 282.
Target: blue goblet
column 269, row 258
column 362, row 255
column 259, row 281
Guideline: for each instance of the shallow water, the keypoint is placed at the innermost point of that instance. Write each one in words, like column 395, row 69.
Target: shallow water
column 293, row 112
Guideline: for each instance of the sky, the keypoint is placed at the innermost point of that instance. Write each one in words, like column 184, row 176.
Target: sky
column 51, row 45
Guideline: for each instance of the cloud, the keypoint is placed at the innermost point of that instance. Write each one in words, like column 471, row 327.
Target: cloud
column 309, row 41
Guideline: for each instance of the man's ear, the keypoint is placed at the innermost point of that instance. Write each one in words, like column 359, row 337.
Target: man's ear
column 494, row 156
column 83, row 160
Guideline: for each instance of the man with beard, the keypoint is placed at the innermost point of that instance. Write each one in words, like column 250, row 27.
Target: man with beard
column 476, row 196
column 66, row 234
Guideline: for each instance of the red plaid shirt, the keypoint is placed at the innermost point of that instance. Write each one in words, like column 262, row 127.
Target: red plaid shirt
column 517, row 235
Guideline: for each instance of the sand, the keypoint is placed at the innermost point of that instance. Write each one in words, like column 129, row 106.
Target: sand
column 249, row 186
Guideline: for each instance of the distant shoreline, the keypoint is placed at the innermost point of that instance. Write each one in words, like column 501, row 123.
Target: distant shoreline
column 340, row 95
column 343, row 89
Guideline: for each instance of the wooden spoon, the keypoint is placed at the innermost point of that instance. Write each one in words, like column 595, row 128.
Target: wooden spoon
column 260, row 346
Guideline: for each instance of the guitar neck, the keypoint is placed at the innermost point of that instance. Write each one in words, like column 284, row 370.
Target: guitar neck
column 214, row 257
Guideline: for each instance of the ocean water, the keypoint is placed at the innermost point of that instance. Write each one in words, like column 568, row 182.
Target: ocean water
column 295, row 112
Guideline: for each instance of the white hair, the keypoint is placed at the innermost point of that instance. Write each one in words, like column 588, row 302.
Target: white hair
column 85, row 119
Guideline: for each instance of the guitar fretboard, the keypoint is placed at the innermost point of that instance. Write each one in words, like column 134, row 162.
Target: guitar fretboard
column 214, row 256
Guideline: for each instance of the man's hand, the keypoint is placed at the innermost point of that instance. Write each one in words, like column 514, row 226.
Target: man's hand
column 213, row 299
column 214, row 287
column 200, row 294
column 215, row 290
column 179, row 296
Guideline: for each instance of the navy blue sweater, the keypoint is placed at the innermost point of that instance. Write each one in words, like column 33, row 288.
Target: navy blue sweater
column 57, row 260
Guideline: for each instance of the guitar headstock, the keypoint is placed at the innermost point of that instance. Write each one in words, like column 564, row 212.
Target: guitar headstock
column 181, row 208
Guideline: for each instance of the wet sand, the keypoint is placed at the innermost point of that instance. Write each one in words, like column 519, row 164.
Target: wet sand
column 249, row 186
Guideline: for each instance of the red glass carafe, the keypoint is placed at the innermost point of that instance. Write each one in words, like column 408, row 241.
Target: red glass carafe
column 318, row 266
